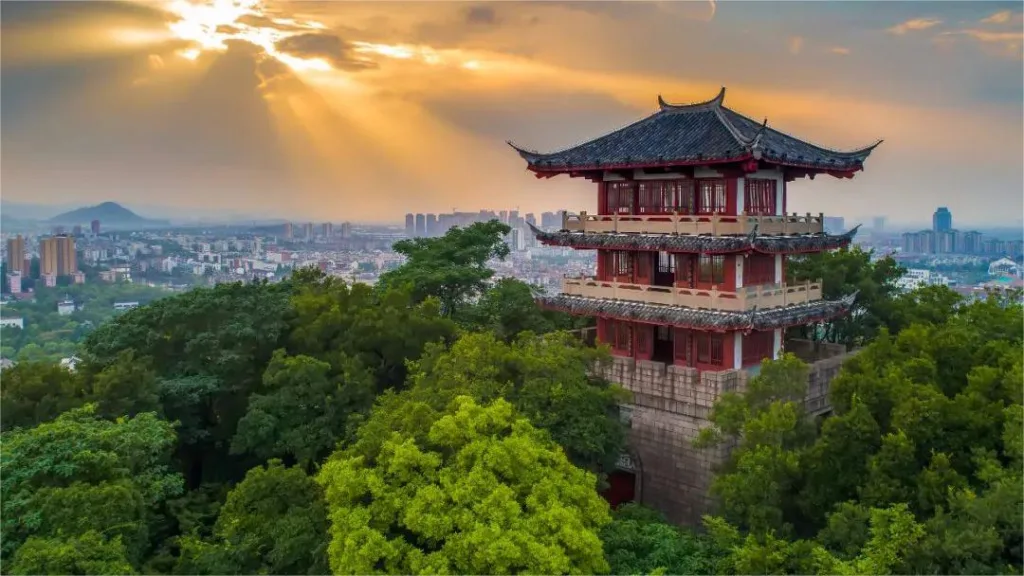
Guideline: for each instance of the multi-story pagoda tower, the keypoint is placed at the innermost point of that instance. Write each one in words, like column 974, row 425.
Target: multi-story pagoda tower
column 692, row 237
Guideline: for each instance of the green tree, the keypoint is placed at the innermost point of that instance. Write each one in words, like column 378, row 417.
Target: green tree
column 302, row 409
column 481, row 491
column 544, row 377
column 89, row 553
column 37, row 392
column 452, row 268
column 274, row 522
column 79, row 473
column 334, row 323
column 842, row 273
column 508, row 308
column 640, row 541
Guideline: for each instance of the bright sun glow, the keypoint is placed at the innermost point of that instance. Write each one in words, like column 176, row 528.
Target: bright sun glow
column 209, row 25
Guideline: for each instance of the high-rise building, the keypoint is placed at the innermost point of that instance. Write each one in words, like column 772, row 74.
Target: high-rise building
column 673, row 294
column 346, row 231
column 971, row 242
column 410, row 225
column 77, row 230
column 328, row 229
column 878, row 225
column 48, row 256
column 16, row 255
column 67, row 260
column 942, row 220
column 421, row 225
column 431, row 225
column 288, row 230
column 307, row 230
column 94, row 226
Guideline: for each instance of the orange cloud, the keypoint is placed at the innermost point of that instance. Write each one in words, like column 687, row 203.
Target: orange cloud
column 839, row 50
column 1000, row 44
column 1001, row 17
column 914, row 24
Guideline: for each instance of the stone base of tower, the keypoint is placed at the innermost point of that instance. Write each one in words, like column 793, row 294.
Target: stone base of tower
column 671, row 404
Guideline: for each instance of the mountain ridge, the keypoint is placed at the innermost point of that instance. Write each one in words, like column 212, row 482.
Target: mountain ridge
column 110, row 214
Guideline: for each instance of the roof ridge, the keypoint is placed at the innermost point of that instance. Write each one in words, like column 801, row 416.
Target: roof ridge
column 534, row 154
column 850, row 153
column 696, row 106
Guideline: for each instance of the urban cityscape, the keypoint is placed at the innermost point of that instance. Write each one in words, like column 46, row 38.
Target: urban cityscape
column 286, row 288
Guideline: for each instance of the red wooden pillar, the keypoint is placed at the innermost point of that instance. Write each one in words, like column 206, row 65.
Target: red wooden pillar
column 602, row 266
column 602, row 198
column 730, row 196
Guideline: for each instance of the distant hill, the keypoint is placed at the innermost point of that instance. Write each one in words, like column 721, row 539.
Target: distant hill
column 110, row 214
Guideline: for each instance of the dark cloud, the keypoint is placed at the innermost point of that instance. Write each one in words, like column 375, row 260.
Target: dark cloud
column 327, row 46
column 481, row 15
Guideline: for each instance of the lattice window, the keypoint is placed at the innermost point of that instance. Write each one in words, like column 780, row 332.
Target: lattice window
column 687, row 195
column 759, row 269
column 759, row 196
column 666, row 263
column 643, row 339
column 623, row 263
column 623, row 336
column 651, row 199
column 711, row 269
column 683, row 341
column 710, row 349
column 758, row 346
column 713, row 198
column 620, row 197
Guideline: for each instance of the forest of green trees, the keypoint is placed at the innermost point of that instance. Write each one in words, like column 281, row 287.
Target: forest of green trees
column 441, row 423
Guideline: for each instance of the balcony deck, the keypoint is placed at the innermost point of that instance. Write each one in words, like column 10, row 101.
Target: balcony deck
column 743, row 299
column 694, row 224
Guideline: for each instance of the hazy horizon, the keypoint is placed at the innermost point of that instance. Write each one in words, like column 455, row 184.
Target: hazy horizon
column 365, row 111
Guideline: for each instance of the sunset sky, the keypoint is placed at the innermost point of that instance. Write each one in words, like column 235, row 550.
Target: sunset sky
column 366, row 111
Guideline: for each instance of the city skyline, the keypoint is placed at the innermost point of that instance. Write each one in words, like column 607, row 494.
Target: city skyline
column 363, row 112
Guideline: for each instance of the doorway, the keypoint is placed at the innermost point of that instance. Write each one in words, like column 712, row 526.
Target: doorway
column 665, row 271
column 621, row 489
column 664, row 345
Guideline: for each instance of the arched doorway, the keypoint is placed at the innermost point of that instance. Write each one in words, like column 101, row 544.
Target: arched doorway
column 624, row 482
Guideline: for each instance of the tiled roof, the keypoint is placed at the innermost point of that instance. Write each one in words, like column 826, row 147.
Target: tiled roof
column 692, row 134
column 702, row 244
column 683, row 317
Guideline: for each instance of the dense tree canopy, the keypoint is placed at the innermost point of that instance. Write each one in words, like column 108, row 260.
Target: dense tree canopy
column 477, row 491
column 80, row 476
column 918, row 471
column 439, row 423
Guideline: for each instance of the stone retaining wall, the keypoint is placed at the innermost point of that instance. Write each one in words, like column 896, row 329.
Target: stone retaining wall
column 671, row 404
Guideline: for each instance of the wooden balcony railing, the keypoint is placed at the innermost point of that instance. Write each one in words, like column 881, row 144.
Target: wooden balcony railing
column 717, row 225
column 743, row 299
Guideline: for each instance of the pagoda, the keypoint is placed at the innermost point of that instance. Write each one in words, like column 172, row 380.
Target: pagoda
column 692, row 237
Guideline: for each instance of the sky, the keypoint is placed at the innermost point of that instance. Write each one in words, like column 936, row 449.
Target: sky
column 366, row 111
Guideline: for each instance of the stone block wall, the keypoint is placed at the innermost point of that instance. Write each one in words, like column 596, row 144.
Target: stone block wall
column 671, row 404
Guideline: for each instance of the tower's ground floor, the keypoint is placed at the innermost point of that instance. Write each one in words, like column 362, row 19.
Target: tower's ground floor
column 671, row 403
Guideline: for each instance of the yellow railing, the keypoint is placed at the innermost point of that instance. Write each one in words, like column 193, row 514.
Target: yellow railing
column 694, row 224
column 746, row 298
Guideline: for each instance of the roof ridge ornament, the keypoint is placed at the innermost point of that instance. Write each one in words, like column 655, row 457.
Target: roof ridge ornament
column 715, row 102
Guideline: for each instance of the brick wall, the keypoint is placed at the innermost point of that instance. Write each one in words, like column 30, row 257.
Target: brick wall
column 671, row 404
